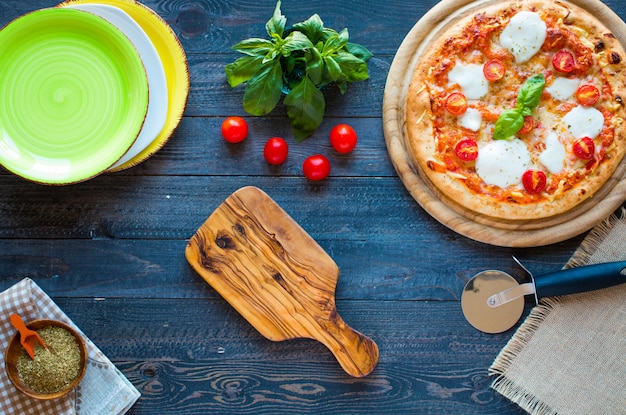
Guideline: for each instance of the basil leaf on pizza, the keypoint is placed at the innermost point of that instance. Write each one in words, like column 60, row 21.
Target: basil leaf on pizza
column 530, row 92
column 509, row 122
column 547, row 132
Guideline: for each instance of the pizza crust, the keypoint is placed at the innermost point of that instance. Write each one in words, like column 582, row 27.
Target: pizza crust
column 450, row 185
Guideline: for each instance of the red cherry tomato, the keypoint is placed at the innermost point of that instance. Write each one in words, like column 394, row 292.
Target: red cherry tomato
column 587, row 95
column 529, row 124
column 275, row 151
column 456, row 103
column 534, row 181
column 316, row 167
column 494, row 70
column 563, row 61
column 234, row 129
column 343, row 138
column 466, row 149
column 584, row 148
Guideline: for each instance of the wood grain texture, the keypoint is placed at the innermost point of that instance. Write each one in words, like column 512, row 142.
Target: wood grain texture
column 512, row 233
column 205, row 358
column 276, row 276
column 110, row 251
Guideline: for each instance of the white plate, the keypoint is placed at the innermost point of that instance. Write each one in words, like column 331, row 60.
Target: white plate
column 157, row 104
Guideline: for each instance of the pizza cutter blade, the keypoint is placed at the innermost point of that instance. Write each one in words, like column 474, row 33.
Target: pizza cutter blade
column 493, row 301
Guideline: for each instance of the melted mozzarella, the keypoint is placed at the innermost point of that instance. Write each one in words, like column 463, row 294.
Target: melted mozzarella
column 553, row 157
column 524, row 35
column 584, row 122
column 471, row 119
column 470, row 78
column 502, row 162
column 563, row 88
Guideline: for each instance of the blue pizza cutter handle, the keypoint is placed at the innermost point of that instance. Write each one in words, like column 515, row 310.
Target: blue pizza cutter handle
column 580, row 279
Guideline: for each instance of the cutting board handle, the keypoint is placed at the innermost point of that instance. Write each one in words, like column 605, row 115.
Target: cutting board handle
column 356, row 353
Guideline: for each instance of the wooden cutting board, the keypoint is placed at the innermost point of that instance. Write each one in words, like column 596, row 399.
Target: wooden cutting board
column 276, row 276
column 483, row 228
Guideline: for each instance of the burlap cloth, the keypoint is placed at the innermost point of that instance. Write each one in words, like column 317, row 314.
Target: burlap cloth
column 103, row 391
column 569, row 355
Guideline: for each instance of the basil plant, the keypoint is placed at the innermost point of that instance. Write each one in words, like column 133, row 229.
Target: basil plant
column 298, row 62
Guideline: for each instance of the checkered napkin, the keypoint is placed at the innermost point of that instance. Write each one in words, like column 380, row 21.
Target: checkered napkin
column 569, row 355
column 103, row 390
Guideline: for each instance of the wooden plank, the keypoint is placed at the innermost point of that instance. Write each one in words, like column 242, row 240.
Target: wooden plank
column 197, row 148
column 216, row 26
column 389, row 269
column 172, row 207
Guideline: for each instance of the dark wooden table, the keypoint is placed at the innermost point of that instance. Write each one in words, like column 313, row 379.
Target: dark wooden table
column 110, row 251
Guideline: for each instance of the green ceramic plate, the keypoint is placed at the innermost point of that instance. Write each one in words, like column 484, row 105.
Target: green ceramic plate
column 73, row 95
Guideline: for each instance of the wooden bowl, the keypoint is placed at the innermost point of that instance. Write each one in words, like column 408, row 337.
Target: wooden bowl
column 14, row 350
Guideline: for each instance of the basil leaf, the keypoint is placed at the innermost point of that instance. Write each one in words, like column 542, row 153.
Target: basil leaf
column 271, row 55
column 526, row 112
column 314, row 65
column 342, row 84
column 289, row 63
column 296, row 41
column 276, row 25
column 254, row 47
column 328, row 33
column 242, row 69
column 352, row 67
column 359, row 51
column 313, row 28
column 333, row 68
column 263, row 90
column 335, row 43
column 305, row 108
column 509, row 122
column 530, row 93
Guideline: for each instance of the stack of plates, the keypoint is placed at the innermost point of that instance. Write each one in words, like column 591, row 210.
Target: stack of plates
column 88, row 87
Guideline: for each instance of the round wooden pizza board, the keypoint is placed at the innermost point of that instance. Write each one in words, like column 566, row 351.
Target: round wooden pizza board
column 509, row 233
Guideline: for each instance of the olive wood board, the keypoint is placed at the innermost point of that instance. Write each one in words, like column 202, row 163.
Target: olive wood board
column 276, row 276
column 482, row 228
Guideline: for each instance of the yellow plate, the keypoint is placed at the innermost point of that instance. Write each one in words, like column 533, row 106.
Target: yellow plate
column 174, row 63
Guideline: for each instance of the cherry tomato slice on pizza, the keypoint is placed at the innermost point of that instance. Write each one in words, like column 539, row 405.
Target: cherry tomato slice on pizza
column 493, row 70
column 456, row 103
column 466, row 149
column 563, row 61
column 587, row 95
column 529, row 124
column 534, row 181
column 584, row 148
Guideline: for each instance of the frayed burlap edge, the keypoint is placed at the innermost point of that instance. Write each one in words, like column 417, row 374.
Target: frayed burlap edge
column 594, row 239
column 538, row 314
column 504, row 360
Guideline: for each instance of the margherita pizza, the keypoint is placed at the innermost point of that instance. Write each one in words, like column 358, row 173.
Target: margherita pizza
column 516, row 111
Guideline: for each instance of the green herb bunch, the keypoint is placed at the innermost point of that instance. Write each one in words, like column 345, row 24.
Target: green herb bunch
column 298, row 61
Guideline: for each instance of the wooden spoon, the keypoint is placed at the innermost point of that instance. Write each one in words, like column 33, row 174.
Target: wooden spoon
column 276, row 276
column 28, row 337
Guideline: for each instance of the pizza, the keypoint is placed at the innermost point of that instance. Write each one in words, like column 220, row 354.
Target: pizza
column 515, row 110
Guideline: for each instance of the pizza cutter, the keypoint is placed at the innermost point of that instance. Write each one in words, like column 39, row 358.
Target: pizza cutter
column 493, row 301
